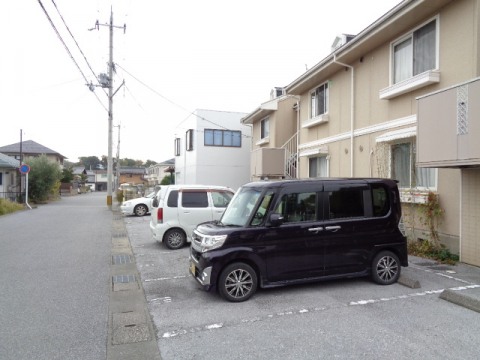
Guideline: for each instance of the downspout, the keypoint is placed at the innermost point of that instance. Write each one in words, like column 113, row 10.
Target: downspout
column 351, row 112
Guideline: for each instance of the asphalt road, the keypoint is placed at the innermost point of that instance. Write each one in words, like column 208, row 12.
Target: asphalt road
column 55, row 280
column 343, row 319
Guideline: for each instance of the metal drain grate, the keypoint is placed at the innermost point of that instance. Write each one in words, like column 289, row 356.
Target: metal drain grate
column 123, row 279
column 119, row 235
column 121, row 259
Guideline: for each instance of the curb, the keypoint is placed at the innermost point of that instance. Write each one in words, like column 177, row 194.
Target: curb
column 461, row 299
column 408, row 282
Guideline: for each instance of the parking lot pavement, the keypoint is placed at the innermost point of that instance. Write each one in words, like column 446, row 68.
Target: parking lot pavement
column 345, row 319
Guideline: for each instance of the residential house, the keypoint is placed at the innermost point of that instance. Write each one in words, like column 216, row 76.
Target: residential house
column 135, row 175
column 156, row 173
column 274, row 131
column 32, row 149
column 213, row 148
column 8, row 177
column 359, row 113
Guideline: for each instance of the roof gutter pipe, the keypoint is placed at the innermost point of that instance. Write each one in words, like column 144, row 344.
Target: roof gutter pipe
column 351, row 111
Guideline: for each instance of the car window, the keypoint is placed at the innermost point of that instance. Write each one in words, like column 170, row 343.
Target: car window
column 298, row 207
column 381, row 204
column 346, row 203
column 197, row 199
column 173, row 199
column 221, row 198
column 263, row 208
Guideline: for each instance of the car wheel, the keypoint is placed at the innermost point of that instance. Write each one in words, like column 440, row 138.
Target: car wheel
column 386, row 268
column 175, row 239
column 140, row 210
column 237, row 282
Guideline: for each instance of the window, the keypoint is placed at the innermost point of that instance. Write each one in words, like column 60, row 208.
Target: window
column 177, row 147
column 318, row 167
column 189, row 140
column 380, row 201
column 265, row 128
column 416, row 53
column 298, row 207
column 194, row 199
column 229, row 138
column 346, row 203
column 173, row 199
column 128, row 175
column 319, row 101
column 1, row 178
column 221, row 198
column 404, row 170
column 263, row 208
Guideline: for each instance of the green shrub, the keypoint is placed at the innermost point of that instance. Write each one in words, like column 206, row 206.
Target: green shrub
column 42, row 177
column 119, row 196
column 427, row 249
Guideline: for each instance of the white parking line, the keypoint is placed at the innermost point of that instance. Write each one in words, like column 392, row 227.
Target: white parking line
column 170, row 278
column 175, row 333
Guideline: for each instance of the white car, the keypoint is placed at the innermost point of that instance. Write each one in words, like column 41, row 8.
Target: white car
column 140, row 206
column 177, row 209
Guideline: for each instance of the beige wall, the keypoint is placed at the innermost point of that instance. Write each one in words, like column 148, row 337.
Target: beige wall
column 458, row 62
column 470, row 214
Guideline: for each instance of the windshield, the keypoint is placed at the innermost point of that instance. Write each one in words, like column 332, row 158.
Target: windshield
column 238, row 211
column 151, row 195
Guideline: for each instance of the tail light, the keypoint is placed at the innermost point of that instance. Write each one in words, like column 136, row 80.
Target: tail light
column 160, row 214
column 401, row 226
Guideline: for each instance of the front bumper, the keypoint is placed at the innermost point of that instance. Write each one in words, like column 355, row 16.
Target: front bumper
column 126, row 210
column 202, row 275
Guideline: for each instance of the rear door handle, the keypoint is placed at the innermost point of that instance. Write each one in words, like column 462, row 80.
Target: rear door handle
column 333, row 227
column 315, row 229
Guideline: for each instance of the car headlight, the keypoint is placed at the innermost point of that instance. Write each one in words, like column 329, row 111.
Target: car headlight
column 212, row 242
column 126, row 204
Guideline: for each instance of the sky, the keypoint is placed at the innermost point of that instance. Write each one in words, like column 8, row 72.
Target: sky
column 175, row 57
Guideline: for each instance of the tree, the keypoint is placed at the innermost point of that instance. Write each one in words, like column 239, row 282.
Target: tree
column 42, row 177
column 166, row 180
column 104, row 161
column 127, row 162
column 149, row 163
column 67, row 174
column 89, row 161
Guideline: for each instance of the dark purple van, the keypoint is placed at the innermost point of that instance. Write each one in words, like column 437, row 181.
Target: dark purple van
column 294, row 231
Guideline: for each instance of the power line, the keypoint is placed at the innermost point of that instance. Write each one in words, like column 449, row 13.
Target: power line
column 76, row 43
column 67, row 49
column 181, row 107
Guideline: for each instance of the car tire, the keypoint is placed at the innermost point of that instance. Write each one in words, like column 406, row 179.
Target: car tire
column 175, row 239
column 386, row 268
column 140, row 210
column 237, row 282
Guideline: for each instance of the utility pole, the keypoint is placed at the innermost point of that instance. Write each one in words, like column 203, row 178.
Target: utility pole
column 117, row 172
column 107, row 81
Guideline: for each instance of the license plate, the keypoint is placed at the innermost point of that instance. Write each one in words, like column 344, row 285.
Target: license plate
column 192, row 269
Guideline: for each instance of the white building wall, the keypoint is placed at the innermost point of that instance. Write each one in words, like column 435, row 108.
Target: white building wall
column 213, row 165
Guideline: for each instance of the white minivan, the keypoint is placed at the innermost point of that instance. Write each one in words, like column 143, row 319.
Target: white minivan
column 177, row 209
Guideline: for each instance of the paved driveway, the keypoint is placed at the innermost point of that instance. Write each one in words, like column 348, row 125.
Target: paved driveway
column 346, row 319
column 55, row 276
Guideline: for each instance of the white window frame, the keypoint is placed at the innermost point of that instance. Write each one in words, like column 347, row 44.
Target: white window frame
column 418, row 190
column 177, row 147
column 189, row 140
column 327, row 157
column 265, row 121
column 410, row 35
column 327, row 107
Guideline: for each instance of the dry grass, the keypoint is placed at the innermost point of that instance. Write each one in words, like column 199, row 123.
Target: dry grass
column 7, row 206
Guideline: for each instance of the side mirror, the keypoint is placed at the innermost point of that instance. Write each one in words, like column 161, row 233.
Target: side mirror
column 276, row 220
